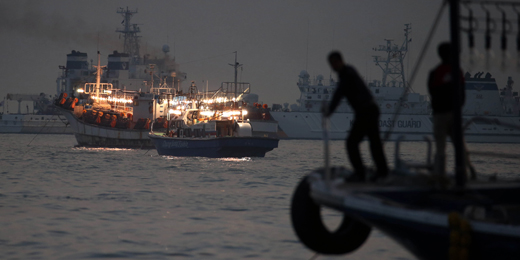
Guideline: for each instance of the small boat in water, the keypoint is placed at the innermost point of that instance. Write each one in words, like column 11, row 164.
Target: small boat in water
column 211, row 127
column 214, row 147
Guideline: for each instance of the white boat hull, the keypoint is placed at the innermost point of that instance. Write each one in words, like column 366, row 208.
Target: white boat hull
column 307, row 125
column 90, row 135
column 34, row 124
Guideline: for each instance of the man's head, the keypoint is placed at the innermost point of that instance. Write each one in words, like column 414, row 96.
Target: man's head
column 336, row 61
column 444, row 51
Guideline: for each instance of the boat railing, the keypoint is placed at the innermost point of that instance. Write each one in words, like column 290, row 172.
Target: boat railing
column 104, row 88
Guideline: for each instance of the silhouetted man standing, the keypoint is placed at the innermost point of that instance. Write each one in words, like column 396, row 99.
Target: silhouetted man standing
column 442, row 93
column 366, row 120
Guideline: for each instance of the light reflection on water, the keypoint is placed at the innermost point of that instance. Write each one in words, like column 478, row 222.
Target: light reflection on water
column 61, row 202
column 101, row 149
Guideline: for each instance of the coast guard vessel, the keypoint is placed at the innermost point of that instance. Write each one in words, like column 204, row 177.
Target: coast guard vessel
column 484, row 98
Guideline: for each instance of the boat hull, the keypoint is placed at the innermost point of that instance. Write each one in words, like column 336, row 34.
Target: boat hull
column 405, row 214
column 307, row 125
column 90, row 135
column 34, row 124
column 214, row 147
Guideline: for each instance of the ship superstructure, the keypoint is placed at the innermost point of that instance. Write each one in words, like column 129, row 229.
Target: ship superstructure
column 127, row 70
column 387, row 92
column 483, row 98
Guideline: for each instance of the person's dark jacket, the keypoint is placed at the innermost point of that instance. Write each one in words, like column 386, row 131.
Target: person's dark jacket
column 442, row 90
column 352, row 87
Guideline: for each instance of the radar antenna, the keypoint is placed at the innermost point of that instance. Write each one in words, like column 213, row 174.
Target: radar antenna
column 393, row 64
column 129, row 31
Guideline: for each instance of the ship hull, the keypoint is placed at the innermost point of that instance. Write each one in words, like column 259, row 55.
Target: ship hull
column 418, row 217
column 34, row 124
column 89, row 135
column 264, row 128
column 214, row 147
column 307, row 125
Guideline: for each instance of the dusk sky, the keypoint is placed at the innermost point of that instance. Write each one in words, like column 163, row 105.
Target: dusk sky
column 271, row 38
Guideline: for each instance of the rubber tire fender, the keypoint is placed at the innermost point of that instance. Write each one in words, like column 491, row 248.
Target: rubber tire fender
column 308, row 225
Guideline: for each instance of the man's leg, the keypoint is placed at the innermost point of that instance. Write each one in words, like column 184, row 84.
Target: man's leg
column 357, row 132
column 441, row 129
column 376, row 146
column 469, row 166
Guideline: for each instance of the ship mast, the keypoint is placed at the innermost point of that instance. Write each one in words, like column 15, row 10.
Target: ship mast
column 129, row 31
column 393, row 64
column 98, row 75
column 236, row 66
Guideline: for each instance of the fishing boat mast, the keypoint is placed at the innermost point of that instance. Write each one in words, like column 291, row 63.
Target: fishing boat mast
column 236, row 66
column 98, row 75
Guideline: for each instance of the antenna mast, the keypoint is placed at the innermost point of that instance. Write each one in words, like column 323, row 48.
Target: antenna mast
column 129, row 30
column 99, row 71
column 393, row 64
column 236, row 66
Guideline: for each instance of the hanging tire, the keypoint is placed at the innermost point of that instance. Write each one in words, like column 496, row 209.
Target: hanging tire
column 309, row 227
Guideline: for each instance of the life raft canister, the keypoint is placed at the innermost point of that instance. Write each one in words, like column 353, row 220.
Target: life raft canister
column 308, row 225
column 114, row 121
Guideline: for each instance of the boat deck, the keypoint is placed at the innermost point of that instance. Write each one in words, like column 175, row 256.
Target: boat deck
column 479, row 200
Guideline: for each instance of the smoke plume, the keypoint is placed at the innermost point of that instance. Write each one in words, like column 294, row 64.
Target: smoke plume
column 67, row 31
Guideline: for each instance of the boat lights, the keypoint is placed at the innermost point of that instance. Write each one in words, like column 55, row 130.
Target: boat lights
column 231, row 113
column 119, row 100
column 80, row 90
column 112, row 99
column 175, row 112
column 207, row 113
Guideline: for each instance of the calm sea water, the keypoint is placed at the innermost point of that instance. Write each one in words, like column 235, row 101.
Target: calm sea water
column 61, row 202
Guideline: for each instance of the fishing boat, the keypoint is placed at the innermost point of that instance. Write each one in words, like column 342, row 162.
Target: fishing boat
column 103, row 116
column 215, row 138
column 117, row 105
column 212, row 126
column 432, row 217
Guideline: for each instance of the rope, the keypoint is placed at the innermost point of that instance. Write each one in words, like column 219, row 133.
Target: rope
column 315, row 256
column 415, row 69
column 35, row 137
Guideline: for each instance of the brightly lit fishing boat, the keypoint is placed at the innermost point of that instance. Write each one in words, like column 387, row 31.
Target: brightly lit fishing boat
column 215, row 124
